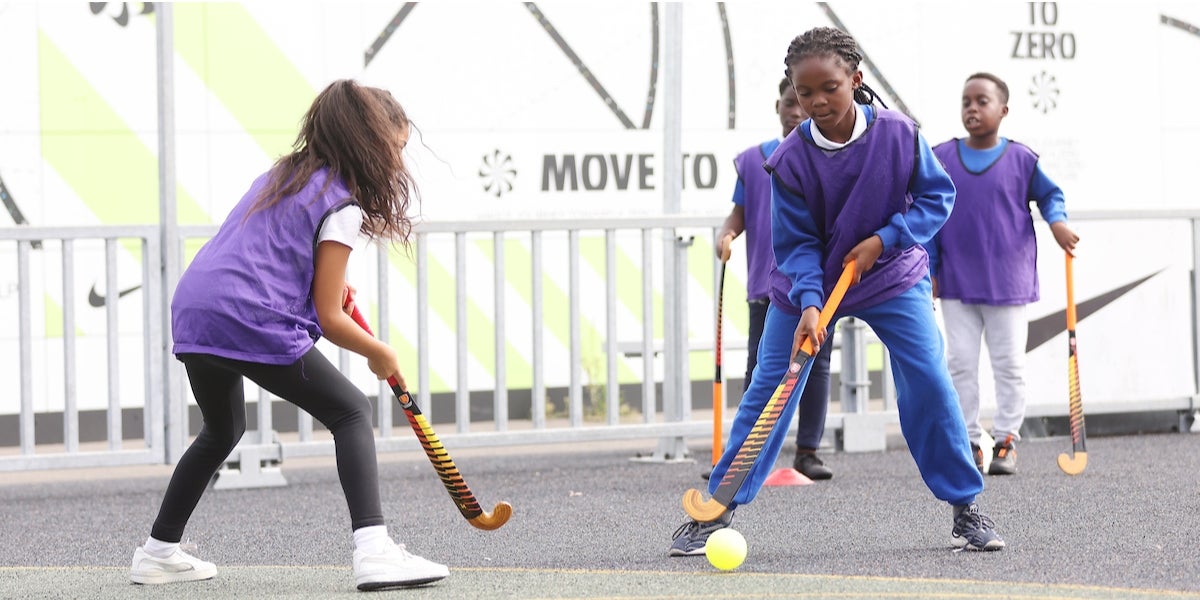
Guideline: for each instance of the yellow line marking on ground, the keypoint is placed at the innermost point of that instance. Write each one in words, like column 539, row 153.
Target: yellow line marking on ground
column 967, row 584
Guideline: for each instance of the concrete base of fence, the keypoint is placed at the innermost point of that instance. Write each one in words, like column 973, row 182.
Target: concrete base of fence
column 670, row 450
column 866, row 432
column 256, row 467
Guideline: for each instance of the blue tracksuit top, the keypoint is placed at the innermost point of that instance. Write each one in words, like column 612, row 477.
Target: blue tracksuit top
column 824, row 202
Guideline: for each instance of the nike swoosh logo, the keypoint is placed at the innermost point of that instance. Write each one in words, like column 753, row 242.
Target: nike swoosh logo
column 1046, row 328
column 98, row 301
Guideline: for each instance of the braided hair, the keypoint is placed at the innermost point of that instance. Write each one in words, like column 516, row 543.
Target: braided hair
column 827, row 41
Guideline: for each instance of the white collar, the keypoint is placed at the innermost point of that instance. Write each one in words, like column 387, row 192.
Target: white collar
column 860, row 126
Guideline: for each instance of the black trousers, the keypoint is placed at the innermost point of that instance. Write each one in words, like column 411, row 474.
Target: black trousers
column 311, row 383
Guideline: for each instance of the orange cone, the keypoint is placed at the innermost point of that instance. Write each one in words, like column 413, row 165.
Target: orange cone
column 787, row 476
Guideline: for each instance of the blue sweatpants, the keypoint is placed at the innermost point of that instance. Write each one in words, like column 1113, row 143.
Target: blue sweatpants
column 814, row 401
column 930, row 417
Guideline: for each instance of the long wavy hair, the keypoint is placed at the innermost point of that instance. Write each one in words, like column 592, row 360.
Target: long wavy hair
column 356, row 131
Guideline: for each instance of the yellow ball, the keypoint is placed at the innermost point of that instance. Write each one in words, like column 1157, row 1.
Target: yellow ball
column 726, row 549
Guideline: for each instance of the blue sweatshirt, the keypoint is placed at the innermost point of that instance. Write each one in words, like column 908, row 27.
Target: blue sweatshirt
column 886, row 183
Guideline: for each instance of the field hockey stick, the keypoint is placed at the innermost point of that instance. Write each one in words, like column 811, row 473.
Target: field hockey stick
column 1077, row 461
column 709, row 510
column 718, row 384
column 442, row 463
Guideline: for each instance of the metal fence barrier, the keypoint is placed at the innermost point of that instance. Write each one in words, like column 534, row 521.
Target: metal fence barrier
column 643, row 391
column 142, row 242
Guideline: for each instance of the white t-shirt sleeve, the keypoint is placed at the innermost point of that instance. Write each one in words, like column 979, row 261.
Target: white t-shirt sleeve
column 342, row 226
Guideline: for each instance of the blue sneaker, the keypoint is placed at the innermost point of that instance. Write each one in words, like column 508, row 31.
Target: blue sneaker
column 974, row 530
column 692, row 537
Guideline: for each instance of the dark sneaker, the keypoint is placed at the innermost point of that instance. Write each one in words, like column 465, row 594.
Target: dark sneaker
column 1004, row 458
column 977, row 452
column 691, row 537
column 705, row 475
column 973, row 530
column 811, row 466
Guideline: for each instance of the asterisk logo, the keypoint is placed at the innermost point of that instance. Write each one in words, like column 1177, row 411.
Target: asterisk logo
column 1044, row 92
column 497, row 173
column 121, row 18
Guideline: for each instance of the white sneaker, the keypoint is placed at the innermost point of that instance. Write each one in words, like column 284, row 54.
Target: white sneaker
column 178, row 567
column 394, row 567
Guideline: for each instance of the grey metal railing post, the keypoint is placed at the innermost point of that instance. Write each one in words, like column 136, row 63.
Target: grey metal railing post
column 649, row 392
column 611, row 385
column 575, row 409
column 683, row 346
column 856, row 383
column 1195, row 428
column 70, row 398
column 500, row 395
column 25, row 341
column 383, row 330
column 889, row 382
column 174, row 402
column 538, row 387
column 462, row 392
column 152, row 321
column 1196, row 300
column 423, row 367
column 675, row 384
column 113, row 354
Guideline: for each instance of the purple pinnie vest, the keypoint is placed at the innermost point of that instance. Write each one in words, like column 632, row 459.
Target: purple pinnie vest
column 248, row 293
column 851, row 193
column 987, row 247
column 756, row 202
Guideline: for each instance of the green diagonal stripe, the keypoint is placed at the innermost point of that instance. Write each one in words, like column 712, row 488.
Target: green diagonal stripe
column 556, row 316
column 404, row 326
column 737, row 314
column 518, row 371
column 629, row 289
column 95, row 152
column 441, row 304
column 407, row 352
column 244, row 70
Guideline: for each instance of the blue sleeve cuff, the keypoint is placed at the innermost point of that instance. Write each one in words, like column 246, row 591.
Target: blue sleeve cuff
column 810, row 298
column 888, row 235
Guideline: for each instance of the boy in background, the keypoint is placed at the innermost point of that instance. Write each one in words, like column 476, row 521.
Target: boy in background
column 984, row 261
column 751, row 214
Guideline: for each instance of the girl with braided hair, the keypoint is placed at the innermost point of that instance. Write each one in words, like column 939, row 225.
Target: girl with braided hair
column 856, row 183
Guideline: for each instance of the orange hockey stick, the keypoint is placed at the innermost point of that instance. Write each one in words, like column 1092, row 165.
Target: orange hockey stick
column 1077, row 461
column 718, row 384
column 709, row 510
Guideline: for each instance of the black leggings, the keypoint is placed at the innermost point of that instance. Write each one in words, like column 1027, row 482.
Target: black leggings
column 313, row 384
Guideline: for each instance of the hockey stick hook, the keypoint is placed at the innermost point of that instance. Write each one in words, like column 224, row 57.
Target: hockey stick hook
column 1073, row 464
column 700, row 509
